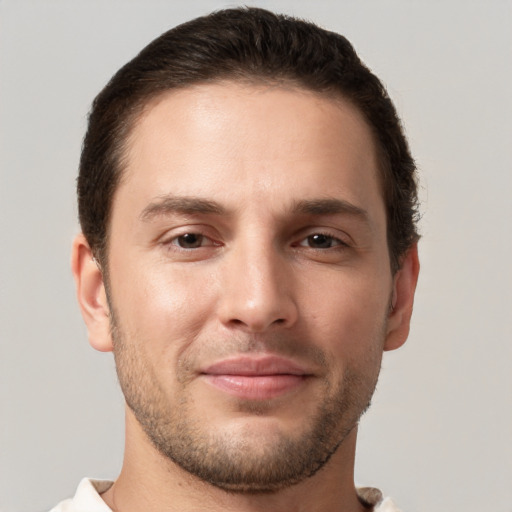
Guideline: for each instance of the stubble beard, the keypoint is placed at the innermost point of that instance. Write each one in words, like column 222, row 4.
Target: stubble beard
column 240, row 463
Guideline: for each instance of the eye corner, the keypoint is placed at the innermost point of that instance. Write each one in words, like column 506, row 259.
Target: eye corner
column 321, row 240
column 189, row 243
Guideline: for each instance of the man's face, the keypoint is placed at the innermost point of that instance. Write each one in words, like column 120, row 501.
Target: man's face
column 249, row 280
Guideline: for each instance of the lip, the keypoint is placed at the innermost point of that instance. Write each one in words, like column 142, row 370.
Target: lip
column 255, row 377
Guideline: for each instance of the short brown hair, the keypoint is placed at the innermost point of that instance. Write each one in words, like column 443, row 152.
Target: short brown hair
column 248, row 44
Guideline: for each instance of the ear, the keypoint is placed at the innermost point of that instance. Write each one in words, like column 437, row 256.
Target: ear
column 91, row 295
column 404, row 286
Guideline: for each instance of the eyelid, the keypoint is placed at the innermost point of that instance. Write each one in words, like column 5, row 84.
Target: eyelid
column 171, row 235
column 343, row 238
column 174, row 241
column 214, row 239
column 336, row 241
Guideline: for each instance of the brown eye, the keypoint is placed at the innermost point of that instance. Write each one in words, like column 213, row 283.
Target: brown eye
column 321, row 241
column 189, row 241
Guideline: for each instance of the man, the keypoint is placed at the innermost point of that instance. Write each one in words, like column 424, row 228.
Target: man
column 247, row 201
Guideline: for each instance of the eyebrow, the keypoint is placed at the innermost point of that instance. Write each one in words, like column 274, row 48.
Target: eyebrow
column 184, row 205
column 329, row 206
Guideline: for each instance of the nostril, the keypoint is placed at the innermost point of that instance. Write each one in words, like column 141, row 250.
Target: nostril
column 256, row 325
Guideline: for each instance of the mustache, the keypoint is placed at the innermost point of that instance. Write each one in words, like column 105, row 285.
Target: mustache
column 198, row 350
column 278, row 344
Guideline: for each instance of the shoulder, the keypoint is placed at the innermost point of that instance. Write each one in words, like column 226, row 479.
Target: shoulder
column 87, row 498
column 375, row 501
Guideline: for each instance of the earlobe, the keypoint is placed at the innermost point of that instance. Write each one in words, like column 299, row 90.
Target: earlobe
column 91, row 295
column 402, row 300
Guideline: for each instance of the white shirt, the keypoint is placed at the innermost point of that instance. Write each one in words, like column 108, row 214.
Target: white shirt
column 87, row 498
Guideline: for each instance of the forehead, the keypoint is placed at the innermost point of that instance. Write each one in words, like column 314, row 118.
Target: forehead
column 250, row 143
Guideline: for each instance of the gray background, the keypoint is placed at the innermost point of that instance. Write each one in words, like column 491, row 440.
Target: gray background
column 438, row 437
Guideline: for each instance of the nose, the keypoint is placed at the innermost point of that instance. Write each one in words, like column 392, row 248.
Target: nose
column 257, row 290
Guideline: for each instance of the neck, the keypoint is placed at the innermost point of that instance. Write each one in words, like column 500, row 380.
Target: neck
column 149, row 481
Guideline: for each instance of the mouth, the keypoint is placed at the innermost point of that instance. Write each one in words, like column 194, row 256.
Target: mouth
column 255, row 377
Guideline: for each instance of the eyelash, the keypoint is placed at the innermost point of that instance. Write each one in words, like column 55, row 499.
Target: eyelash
column 329, row 238
column 338, row 243
column 175, row 241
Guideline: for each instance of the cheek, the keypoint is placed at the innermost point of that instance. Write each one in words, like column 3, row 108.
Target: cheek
column 349, row 315
column 163, row 306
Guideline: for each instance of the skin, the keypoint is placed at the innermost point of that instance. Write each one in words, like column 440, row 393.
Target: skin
column 288, row 260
